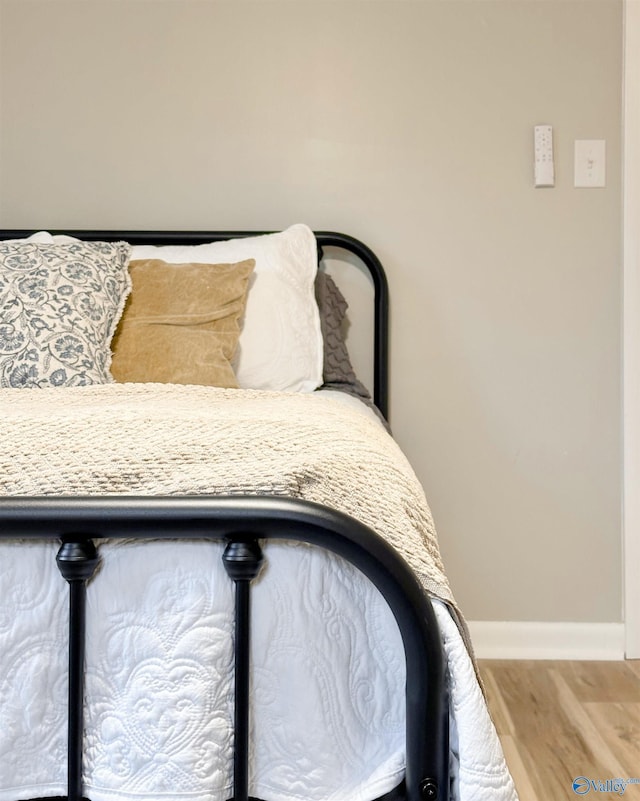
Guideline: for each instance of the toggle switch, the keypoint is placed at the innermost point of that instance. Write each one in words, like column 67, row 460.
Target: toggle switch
column 589, row 162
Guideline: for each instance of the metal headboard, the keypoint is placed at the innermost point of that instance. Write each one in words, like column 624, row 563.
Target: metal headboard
column 324, row 239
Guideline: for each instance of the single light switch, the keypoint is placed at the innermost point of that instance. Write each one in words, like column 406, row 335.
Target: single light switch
column 589, row 163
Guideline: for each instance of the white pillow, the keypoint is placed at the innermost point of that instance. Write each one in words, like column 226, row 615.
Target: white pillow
column 280, row 344
column 41, row 237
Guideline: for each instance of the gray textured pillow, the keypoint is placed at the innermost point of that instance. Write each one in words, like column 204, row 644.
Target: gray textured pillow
column 59, row 306
column 338, row 372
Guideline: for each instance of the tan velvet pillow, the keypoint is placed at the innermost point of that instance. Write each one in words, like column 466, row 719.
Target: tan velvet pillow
column 181, row 323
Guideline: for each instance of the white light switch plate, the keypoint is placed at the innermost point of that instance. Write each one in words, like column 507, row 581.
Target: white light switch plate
column 589, row 163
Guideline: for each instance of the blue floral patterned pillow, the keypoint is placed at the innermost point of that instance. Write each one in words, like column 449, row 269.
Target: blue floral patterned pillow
column 59, row 307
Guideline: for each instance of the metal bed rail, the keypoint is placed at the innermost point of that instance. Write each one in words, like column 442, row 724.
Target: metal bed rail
column 242, row 521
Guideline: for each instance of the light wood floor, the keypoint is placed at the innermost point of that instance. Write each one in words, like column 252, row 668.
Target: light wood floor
column 561, row 720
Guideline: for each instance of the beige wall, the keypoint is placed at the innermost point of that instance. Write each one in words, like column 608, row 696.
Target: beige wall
column 408, row 124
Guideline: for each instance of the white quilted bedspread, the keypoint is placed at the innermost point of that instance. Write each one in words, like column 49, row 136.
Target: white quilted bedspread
column 158, row 717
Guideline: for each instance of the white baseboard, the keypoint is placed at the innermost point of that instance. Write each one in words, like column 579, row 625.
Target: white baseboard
column 526, row 640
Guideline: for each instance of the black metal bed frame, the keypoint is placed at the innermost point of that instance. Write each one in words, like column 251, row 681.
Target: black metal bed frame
column 242, row 522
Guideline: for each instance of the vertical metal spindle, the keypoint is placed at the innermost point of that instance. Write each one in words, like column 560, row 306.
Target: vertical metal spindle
column 77, row 561
column 242, row 559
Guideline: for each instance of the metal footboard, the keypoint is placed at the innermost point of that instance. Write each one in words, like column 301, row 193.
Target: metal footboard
column 242, row 522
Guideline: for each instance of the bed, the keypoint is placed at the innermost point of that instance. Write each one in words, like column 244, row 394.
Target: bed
column 219, row 575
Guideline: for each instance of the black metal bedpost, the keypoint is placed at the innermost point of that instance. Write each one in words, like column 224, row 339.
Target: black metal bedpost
column 77, row 560
column 242, row 560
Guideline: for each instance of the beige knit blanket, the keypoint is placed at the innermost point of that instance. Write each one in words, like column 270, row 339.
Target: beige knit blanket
column 158, row 439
